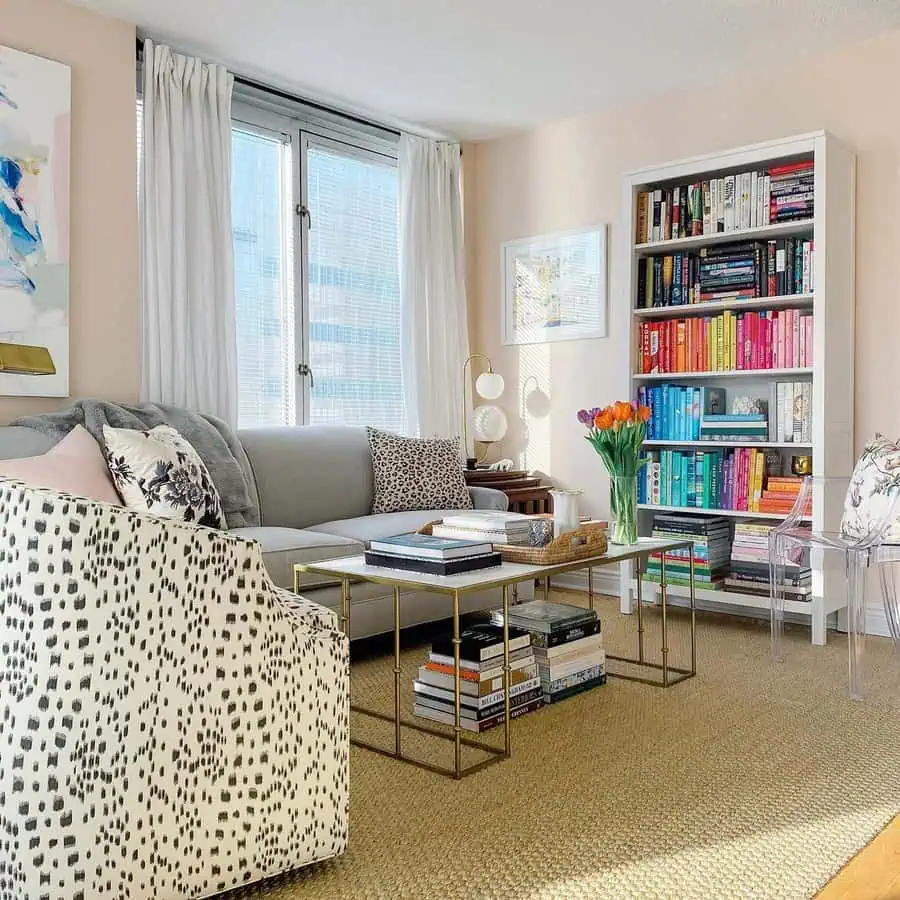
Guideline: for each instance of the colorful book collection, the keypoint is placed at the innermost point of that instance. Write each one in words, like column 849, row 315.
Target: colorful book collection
column 768, row 339
column 749, row 566
column 711, row 552
column 734, row 202
column 694, row 413
column 736, row 272
column 732, row 479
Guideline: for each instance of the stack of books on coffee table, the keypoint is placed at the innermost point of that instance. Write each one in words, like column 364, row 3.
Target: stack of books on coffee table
column 482, row 699
column 486, row 525
column 428, row 555
column 567, row 644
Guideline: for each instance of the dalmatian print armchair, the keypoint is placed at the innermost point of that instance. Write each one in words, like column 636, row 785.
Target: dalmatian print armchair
column 171, row 724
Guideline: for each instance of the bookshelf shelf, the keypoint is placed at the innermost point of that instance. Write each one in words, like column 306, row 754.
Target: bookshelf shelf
column 764, row 445
column 792, row 301
column 730, row 513
column 730, row 597
column 814, row 255
column 767, row 232
column 727, row 373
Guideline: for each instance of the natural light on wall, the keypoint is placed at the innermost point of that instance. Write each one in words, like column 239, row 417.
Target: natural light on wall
column 534, row 407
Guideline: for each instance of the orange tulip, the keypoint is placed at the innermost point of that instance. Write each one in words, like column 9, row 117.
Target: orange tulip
column 603, row 420
column 623, row 412
column 643, row 413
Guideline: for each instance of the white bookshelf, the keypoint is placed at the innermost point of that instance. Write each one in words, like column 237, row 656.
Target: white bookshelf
column 831, row 375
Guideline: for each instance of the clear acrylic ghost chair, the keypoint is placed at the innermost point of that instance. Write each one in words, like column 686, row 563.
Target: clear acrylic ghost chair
column 888, row 561
column 793, row 538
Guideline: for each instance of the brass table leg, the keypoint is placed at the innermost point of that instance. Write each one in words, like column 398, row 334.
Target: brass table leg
column 590, row 587
column 506, row 671
column 640, row 607
column 397, row 671
column 546, row 589
column 665, row 629
column 457, row 728
column 345, row 606
column 693, row 618
column 515, row 596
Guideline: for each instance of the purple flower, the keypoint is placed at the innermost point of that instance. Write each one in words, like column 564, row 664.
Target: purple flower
column 585, row 416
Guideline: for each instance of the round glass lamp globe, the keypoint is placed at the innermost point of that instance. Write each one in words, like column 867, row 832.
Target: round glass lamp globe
column 489, row 423
column 489, row 385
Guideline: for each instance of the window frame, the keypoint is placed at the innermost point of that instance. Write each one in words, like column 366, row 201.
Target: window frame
column 301, row 131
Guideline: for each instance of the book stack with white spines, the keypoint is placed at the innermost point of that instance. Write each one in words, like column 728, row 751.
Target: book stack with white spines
column 486, row 525
column 567, row 645
column 750, row 564
column 482, row 698
column 429, row 555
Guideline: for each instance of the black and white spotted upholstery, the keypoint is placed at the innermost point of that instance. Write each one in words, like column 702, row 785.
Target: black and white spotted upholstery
column 169, row 726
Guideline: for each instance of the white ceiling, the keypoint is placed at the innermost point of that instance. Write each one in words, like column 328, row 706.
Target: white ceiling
column 478, row 68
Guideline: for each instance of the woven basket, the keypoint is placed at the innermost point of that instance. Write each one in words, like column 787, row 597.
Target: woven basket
column 589, row 540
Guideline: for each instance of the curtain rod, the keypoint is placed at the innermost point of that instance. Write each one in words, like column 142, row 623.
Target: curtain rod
column 294, row 98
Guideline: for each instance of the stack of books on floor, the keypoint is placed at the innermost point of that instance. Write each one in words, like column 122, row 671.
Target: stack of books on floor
column 750, row 564
column 482, row 699
column 491, row 526
column 428, row 555
column 567, row 646
column 712, row 550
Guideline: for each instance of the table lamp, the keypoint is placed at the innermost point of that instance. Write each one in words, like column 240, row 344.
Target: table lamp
column 489, row 422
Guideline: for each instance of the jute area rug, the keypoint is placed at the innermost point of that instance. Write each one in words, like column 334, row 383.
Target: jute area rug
column 749, row 781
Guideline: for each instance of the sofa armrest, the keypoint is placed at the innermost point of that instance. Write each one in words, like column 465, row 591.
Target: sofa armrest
column 488, row 498
column 154, row 675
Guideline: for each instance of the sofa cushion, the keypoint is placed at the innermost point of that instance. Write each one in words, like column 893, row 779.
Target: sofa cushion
column 416, row 473
column 159, row 472
column 283, row 547
column 75, row 465
column 371, row 528
column 305, row 475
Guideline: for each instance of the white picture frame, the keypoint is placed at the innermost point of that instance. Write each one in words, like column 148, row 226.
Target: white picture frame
column 555, row 287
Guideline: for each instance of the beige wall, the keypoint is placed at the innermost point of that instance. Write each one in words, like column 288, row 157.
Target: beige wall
column 104, row 311
column 568, row 175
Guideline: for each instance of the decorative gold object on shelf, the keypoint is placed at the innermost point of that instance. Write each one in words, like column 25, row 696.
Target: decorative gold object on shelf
column 22, row 359
column 588, row 540
column 801, row 465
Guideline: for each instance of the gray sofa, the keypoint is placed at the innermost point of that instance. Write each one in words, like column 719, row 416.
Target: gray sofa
column 314, row 487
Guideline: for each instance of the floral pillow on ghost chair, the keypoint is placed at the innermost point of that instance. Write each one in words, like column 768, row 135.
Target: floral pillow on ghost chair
column 874, row 488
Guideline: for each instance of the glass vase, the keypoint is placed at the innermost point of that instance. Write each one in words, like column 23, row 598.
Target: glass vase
column 623, row 504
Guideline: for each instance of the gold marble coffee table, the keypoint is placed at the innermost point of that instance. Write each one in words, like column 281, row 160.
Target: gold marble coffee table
column 354, row 569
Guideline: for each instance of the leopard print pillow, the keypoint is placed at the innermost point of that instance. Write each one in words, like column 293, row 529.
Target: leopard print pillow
column 416, row 473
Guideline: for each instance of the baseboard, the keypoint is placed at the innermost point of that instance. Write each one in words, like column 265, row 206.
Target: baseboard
column 607, row 582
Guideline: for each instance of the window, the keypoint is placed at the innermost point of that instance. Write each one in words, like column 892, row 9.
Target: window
column 323, row 347
column 354, row 290
column 263, row 282
column 325, row 350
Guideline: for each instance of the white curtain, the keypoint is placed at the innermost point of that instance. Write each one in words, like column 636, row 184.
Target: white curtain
column 187, row 256
column 434, row 326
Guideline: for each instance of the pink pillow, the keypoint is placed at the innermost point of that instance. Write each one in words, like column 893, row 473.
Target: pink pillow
column 75, row 465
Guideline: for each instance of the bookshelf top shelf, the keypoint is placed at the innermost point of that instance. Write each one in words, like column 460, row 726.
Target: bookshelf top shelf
column 779, row 230
column 728, row 373
column 792, row 301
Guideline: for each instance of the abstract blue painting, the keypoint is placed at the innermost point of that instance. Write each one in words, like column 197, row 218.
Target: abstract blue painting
column 35, row 112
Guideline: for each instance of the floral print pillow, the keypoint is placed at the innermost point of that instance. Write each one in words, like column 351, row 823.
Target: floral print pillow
column 160, row 473
column 872, row 496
